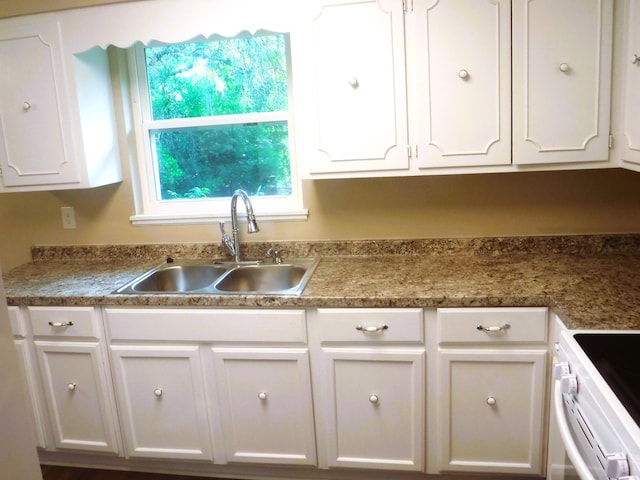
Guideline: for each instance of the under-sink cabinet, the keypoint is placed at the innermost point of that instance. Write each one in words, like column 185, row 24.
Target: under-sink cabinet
column 368, row 376
column 205, row 384
column 491, row 384
column 76, row 381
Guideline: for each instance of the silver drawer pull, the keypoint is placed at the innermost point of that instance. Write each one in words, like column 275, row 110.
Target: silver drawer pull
column 372, row 329
column 494, row 328
column 61, row 324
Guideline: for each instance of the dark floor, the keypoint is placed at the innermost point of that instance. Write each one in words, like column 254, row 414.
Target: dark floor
column 64, row 473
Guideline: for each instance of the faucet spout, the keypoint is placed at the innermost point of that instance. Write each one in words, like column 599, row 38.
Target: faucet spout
column 233, row 244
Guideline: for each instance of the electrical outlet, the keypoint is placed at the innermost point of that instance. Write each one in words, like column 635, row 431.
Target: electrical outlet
column 68, row 217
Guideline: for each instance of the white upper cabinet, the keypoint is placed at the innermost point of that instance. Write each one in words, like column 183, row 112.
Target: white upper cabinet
column 460, row 57
column 349, row 79
column 57, row 127
column 562, row 53
column 629, row 140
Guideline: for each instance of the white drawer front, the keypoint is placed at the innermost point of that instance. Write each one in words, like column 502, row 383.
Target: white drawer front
column 493, row 325
column 64, row 322
column 206, row 325
column 17, row 322
column 370, row 325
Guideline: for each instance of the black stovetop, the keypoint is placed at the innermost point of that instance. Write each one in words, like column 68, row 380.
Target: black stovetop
column 617, row 357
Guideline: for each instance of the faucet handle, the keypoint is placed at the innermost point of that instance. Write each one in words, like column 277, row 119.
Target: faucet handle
column 272, row 252
column 226, row 239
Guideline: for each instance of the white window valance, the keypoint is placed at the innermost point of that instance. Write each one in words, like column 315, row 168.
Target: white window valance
column 173, row 21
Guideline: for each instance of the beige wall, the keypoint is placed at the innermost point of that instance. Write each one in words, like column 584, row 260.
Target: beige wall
column 598, row 201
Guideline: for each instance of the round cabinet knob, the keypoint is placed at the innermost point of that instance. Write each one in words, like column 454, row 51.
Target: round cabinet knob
column 616, row 465
column 158, row 392
column 374, row 398
column 262, row 395
column 569, row 384
column 463, row 74
column 26, row 106
column 353, row 81
column 71, row 387
column 564, row 67
column 491, row 401
column 635, row 60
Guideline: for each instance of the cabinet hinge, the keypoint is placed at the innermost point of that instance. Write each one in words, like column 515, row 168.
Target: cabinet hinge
column 610, row 141
column 407, row 6
column 412, row 151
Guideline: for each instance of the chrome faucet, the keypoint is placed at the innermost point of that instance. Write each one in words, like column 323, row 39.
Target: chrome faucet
column 233, row 244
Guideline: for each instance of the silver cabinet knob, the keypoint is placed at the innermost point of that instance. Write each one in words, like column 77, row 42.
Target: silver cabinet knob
column 158, row 392
column 353, row 81
column 491, row 401
column 374, row 398
column 463, row 74
column 71, row 386
column 564, row 67
column 262, row 395
column 636, row 59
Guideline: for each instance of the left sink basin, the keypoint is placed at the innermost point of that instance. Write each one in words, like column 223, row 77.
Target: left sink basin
column 175, row 278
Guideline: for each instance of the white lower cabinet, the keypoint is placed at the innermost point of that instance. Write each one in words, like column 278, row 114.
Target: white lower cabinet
column 491, row 384
column 161, row 401
column 28, row 371
column 266, row 406
column 369, row 387
column 75, row 377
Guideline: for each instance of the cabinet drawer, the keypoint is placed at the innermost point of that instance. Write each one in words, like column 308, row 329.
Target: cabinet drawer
column 17, row 322
column 64, row 322
column 492, row 325
column 370, row 325
column 206, row 325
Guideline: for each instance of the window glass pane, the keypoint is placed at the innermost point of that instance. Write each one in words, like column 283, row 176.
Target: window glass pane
column 219, row 77
column 214, row 161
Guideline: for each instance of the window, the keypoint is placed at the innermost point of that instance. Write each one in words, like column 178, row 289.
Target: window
column 214, row 117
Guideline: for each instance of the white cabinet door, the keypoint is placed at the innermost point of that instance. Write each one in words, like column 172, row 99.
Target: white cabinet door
column 35, row 147
column 31, row 391
column 351, row 88
column 491, row 411
column 561, row 80
column 161, row 400
column 78, row 394
column 460, row 51
column 266, row 406
column 375, row 408
column 630, row 138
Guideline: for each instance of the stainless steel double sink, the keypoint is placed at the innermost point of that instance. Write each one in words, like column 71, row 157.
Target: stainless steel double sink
column 224, row 278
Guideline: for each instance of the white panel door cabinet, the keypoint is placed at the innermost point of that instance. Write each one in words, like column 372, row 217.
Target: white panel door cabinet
column 630, row 138
column 491, row 383
column 369, row 387
column 266, row 406
column 350, row 87
column 29, row 374
column 460, row 101
column 161, row 401
column 562, row 54
column 75, row 377
column 56, row 113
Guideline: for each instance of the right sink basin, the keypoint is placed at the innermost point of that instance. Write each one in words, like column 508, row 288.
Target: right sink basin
column 269, row 278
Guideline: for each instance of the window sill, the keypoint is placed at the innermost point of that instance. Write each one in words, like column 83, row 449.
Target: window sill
column 201, row 218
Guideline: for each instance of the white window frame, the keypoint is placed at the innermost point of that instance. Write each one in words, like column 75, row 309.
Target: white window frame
column 152, row 211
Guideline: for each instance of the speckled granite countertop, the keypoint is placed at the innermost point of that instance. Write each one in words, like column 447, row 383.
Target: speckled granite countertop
column 591, row 281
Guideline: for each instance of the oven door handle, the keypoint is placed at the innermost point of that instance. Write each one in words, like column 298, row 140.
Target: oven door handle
column 565, row 434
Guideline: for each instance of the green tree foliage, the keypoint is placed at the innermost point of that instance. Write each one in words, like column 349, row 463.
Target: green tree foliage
column 208, row 79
